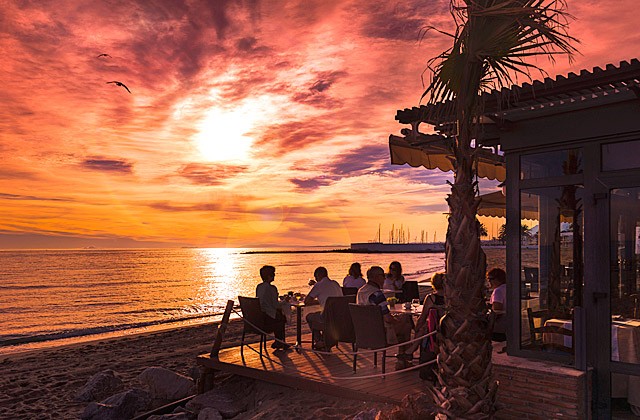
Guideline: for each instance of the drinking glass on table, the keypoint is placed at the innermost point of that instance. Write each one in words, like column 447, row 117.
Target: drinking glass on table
column 415, row 303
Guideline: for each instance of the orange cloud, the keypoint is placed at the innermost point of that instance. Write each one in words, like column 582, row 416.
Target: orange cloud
column 300, row 95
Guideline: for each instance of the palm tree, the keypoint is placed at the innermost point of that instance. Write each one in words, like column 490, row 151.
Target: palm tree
column 483, row 230
column 502, row 232
column 491, row 41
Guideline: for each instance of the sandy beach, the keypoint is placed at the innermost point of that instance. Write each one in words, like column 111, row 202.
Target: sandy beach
column 42, row 384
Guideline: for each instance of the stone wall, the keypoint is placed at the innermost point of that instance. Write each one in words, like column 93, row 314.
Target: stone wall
column 534, row 389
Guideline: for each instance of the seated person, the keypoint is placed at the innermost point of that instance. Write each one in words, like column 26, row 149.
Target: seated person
column 274, row 320
column 434, row 299
column 354, row 278
column 432, row 311
column 398, row 327
column 394, row 279
column 323, row 288
column 498, row 302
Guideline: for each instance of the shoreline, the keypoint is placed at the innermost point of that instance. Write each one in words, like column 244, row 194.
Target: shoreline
column 339, row 251
column 51, row 340
column 9, row 350
column 487, row 246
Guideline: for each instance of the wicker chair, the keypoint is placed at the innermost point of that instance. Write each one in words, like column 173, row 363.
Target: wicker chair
column 252, row 314
column 368, row 324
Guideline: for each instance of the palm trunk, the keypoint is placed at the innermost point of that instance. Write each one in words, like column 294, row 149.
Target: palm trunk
column 465, row 386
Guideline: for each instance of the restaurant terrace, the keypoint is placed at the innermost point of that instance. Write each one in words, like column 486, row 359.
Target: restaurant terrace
column 568, row 153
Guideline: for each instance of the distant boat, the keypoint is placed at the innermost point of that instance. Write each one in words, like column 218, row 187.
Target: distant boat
column 405, row 247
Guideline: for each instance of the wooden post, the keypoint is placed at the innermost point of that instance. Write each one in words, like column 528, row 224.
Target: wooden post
column 221, row 330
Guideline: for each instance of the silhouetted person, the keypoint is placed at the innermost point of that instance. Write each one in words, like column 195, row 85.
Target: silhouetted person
column 498, row 301
column 354, row 278
column 274, row 320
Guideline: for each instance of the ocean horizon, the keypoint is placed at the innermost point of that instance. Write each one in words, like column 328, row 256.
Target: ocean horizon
column 50, row 297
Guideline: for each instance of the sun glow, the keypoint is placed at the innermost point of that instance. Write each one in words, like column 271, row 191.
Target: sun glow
column 222, row 135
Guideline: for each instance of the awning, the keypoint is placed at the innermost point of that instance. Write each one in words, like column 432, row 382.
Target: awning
column 437, row 154
column 494, row 205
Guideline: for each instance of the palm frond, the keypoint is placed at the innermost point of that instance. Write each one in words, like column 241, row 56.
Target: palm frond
column 494, row 37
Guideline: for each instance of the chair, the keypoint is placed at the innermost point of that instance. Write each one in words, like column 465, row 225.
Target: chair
column 368, row 325
column 338, row 323
column 531, row 276
column 252, row 313
column 542, row 315
column 410, row 291
column 553, row 345
column 348, row 291
column 635, row 297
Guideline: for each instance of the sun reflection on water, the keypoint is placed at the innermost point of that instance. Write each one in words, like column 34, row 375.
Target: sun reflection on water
column 221, row 275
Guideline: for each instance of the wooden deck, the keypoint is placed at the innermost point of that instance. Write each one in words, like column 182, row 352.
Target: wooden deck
column 326, row 374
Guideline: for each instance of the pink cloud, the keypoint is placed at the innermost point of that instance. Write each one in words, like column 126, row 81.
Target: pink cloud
column 334, row 73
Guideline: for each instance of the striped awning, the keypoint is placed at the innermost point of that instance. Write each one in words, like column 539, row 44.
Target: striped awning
column 494, row 205
column 436, row 154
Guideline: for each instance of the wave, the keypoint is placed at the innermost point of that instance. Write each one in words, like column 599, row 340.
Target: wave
column 16, row 340
column 32, row 286
column 425, row 272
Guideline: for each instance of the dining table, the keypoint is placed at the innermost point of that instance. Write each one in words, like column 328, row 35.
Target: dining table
column 391, row 292
column 298, row 305
column 552, row 338
column 400, row 308
column 625, row 347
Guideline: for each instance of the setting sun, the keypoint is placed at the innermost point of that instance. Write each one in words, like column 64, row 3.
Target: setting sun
column 222, row 135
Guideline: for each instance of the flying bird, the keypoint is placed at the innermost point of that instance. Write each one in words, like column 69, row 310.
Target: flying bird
column 120, row 84
column 104, row 55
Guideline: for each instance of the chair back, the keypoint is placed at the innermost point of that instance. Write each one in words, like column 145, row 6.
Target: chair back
column 410, row 290
column 347, row 291
column 252, row 312
column 536, row 323
column 368, row 325
column 337, row 318
column 531, row 276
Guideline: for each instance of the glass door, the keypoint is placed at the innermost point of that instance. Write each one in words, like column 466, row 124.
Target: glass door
column 624, row 303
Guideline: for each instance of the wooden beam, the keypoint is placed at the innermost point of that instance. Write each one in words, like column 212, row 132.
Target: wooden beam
column 222, row 328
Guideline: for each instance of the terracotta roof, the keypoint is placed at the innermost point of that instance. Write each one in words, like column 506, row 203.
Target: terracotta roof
column 561, row 91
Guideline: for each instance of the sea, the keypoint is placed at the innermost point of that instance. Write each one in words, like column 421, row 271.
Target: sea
column 50, row 298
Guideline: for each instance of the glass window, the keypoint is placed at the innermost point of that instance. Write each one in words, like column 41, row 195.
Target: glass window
column 551, row 164
column 622, row 155
column 625, row 275
column 551, row 264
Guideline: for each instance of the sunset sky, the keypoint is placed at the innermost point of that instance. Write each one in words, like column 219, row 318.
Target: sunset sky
column 249, row 123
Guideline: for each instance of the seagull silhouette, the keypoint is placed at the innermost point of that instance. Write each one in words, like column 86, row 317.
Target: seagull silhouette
column 120, row 84
column 104, row 55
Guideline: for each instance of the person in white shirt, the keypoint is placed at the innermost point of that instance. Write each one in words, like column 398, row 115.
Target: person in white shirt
column 498, row 302
column 323, row 288
column 398, row 328
column 395, row 279
column 354, row 278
